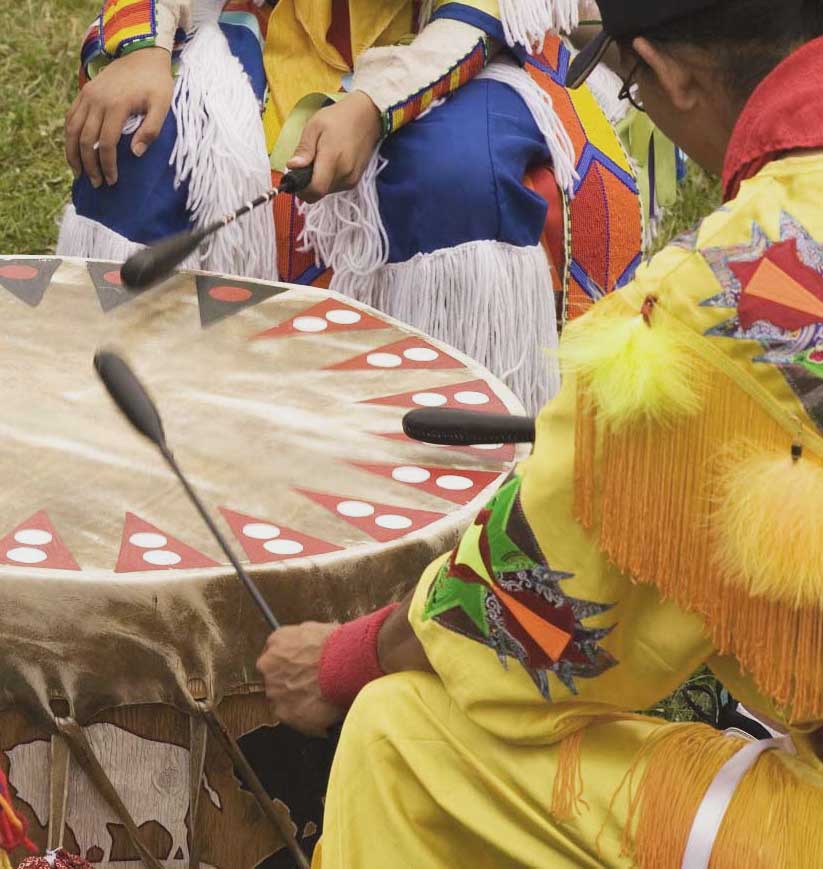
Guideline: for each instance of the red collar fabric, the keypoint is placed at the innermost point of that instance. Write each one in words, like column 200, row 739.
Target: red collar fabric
column 785, row 113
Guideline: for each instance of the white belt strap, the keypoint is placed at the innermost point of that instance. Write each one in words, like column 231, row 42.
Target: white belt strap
column 718, row 797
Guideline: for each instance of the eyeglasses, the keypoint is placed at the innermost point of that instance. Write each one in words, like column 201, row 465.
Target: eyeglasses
column 627, row 92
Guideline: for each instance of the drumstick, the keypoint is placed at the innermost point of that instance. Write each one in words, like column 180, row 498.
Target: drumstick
column 131, row 397
column 158, row 261
column 460, row 428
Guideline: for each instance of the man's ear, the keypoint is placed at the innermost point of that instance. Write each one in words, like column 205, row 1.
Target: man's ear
column 672, row 76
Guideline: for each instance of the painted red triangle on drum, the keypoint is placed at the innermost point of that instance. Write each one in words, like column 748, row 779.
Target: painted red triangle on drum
column 382, row 522
column 265, row 541
column 459, row 486
column 499, row 453
column 325, row 318
column 35, row 543
column 410, row 354
column 146, row 547
column 28, row 278
column 475, row 395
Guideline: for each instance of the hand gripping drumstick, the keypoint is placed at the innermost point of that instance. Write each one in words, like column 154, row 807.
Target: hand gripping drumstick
column 131, row 397
column 464, row 428
column 158, row 261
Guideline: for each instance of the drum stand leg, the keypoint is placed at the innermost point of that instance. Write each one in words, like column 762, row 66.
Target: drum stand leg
column 197, row 762
column 278, row 817
column 84, row 755
column 58, row 790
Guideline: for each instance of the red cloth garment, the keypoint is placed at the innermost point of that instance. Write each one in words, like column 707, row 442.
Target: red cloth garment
column 349, row 660
column 785, row 113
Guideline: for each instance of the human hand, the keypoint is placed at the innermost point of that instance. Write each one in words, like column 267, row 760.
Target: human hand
column 289, row 665
column 339, row 140
column 139, row 83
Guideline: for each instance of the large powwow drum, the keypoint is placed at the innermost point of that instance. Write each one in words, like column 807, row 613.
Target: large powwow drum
column 128, row 642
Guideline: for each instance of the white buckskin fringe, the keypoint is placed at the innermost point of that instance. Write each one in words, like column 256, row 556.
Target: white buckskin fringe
column 606, row 85
column 493, row 301
column 346, row 231
column 526, row 22
column 221, row 152
column 82, row 237
column 539, row 103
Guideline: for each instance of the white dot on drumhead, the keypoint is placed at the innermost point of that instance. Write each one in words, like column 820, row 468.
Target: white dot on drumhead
column 472, row 398
column 26, row 555
column 384, row 360
column 392, row 522
column 421, row 354
column 261, row 531
column 410, row 475
column 33, row 537
column 355, row 509
column 454, row 483
column 489, row 446
column 162, row 558
column 310, row 324
column 147, row 540
column 429, row 399
column 342, row 317
column 283, row 547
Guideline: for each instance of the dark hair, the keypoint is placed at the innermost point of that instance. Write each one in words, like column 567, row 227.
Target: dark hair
column 747, row 39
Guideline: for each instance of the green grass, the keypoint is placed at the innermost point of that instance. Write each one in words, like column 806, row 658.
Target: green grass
column 39, row 51
column 38, row 79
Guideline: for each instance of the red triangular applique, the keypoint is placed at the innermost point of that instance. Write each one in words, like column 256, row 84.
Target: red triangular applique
column 265, row 542
column 474, row 395
column 410, row 354
column 325, row 318
column 146, row 547
column 382, row 522
column 35, row 543
column 779, row 289
column 459, row 486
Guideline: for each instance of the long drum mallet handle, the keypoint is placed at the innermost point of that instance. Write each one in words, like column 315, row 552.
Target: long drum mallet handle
column 156, row 262
column 131, row 397
column 461, row 428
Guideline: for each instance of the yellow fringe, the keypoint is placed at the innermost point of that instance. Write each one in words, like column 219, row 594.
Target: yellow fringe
column 567, row 793
column 769, row 526
column 679, row 763
column 5, row 863
column 773, row 819
column 780, row 800
column 648, row 492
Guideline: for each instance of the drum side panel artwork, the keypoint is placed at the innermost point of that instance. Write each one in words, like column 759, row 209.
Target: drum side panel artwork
column 284, row 406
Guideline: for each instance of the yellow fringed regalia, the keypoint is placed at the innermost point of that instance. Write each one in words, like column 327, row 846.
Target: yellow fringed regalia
column 668, row 518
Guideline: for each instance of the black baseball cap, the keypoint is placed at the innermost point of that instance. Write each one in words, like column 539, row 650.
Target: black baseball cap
column 625, row 19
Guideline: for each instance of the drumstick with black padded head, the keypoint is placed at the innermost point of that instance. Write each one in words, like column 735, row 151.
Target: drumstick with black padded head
column 158, row 261
column 131, row 397
column 459, row 428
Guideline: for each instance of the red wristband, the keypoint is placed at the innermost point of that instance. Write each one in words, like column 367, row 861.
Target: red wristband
column 349, row 660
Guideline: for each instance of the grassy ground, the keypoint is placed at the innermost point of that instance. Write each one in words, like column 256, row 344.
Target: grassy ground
column 38, row 73
column 39, row 50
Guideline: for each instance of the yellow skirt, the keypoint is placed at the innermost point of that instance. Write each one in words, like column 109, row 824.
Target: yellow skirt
column 415, row 783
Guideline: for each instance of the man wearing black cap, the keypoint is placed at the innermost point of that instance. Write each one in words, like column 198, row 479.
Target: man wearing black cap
column 670, row 516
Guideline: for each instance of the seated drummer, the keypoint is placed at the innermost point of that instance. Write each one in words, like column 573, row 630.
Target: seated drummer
column 446, row 225
column 669, row 517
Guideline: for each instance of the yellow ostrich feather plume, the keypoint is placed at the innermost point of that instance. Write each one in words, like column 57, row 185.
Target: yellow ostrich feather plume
column 633, row 367
column 768, row 527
